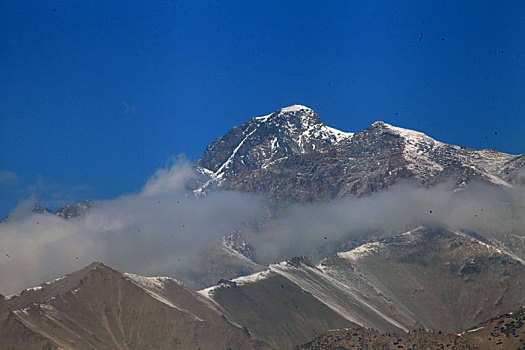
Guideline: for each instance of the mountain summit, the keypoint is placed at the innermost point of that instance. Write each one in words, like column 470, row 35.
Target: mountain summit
column 292, row 156
column 263, row 141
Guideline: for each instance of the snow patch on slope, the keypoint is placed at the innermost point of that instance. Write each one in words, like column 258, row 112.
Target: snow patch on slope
column 34, row 289
column 153, row 286
column 412, row 135
column 156, row 287
column 294, row 108
column 331, row 292
column 258, row 276
column 157, row 282
column 500, row 248
column 263, row 118
column 232, row 252
column 420, row 147
column 239, row 281
column 338, row 134
column 417, row 149
column 361, row 251
column 219, row 173
column 208, row 292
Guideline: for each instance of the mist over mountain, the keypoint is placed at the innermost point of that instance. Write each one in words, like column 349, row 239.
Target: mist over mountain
column 285, row 185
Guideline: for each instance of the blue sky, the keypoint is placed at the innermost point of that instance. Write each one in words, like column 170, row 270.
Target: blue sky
column 97, row 95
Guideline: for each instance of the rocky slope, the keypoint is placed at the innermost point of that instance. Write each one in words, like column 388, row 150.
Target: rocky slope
column 360, row 338
column 503, row 332
column 426, row 278
column 101, row 308
column 274, row 308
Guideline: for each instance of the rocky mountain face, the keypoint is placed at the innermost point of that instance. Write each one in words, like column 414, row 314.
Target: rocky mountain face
column 274, row 308
column 292, row 156
column 101, row 308
column 426, row 278
column 263, row 141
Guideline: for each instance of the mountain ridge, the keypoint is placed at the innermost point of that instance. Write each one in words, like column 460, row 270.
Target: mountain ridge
column 292, row 156
column 425, row 278
column 99, row 307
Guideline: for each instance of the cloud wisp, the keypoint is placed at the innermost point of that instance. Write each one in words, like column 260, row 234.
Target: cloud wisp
column 164, row 228
column 316, row 230
column 157, row 231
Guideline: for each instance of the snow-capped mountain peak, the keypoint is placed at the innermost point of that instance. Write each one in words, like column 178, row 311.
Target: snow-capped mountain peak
column 410, row 135
column 261, row 141
column 295, row 108
column 314, row 161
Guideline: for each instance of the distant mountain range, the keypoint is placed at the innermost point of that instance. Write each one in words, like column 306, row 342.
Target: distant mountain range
column 430, row 278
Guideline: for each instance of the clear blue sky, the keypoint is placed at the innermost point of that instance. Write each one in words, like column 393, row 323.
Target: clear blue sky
column 96, row 95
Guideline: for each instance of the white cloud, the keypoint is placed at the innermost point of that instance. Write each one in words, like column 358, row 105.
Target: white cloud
column 157, row 231
column 171, row 179
column 165, row 230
